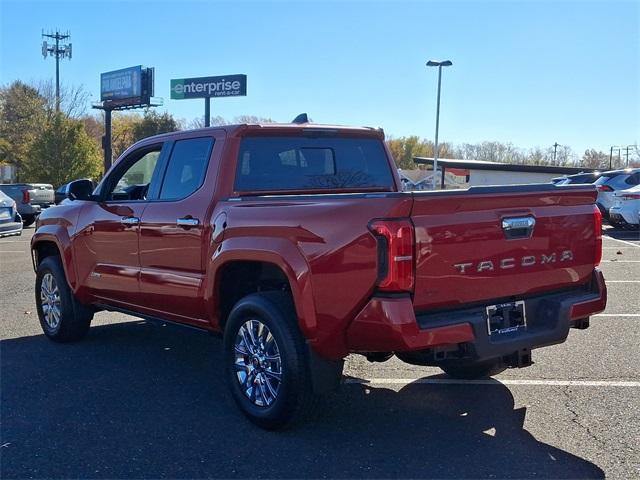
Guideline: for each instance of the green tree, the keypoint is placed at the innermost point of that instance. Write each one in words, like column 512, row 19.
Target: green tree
column 404, row 149
column 154, row 123
column 62, row 151
column 123, row 132
column 22, row 116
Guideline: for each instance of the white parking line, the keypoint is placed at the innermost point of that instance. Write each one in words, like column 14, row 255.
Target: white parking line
column 623, row 241
column 617, row 315
column 454, row 381
column 621, row 281
column 621, row 261
column 13, row 251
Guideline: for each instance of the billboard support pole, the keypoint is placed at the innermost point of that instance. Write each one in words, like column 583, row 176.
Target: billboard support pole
column 207, row 111
column 107, row 139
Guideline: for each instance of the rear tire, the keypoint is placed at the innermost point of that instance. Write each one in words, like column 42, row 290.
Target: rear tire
column 267, row 361
column 28, row 220
column 473, row 371
column 62, row 317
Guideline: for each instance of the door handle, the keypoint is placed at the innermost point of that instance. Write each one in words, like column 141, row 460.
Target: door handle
column 130, row 221
column 187, row 222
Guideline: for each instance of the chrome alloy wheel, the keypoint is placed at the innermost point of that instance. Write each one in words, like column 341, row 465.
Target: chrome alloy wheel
column 50, row 301
column 258, row 365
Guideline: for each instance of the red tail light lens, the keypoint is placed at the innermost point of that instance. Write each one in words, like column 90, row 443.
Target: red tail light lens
column 630, row 196
column 597, row 225
column 395, row 254
column 604, row 188
column 26, row 197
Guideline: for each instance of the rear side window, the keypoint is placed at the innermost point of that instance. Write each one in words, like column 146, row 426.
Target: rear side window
column 633, row 179
column 187, row 168
column 301, row 163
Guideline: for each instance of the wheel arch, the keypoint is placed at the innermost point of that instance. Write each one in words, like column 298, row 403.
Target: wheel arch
column 238, row 269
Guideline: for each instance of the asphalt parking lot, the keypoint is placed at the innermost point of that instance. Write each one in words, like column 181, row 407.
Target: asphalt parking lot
column 142, row 400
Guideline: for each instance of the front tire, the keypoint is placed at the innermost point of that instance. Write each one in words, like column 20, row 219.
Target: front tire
column 267, row 362
column 62, row 317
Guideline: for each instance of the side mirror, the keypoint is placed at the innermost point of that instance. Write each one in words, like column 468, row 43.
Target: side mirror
column 80, row 189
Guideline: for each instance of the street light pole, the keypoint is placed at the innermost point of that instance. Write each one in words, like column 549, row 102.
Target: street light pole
column 432, row 63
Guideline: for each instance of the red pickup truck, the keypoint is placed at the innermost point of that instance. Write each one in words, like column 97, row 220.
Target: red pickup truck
column 297, row 243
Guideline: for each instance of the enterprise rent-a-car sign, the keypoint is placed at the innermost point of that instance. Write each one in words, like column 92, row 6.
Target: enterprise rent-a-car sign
column 224, row 86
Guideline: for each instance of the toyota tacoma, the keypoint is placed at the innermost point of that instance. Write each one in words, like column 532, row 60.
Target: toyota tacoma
column 296, row 243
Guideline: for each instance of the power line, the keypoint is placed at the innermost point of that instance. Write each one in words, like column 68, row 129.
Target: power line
column 59, row 51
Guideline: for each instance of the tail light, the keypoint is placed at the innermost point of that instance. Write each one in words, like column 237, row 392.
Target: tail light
column 630, row 196
column 26, row 196
column 395, row 254
column 604, row 188
column 597, row 225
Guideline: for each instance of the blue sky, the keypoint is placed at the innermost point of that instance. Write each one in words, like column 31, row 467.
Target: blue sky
column 530, row 73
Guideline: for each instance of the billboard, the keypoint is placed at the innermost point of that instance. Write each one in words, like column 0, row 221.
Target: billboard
column 132, row 85
column 203, row 87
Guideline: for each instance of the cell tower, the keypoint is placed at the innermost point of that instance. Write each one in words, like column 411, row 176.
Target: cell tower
column 59, row 51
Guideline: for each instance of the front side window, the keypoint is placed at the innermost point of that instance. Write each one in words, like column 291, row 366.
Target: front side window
column 133, row 182
column 187, row 168
column 302, row 163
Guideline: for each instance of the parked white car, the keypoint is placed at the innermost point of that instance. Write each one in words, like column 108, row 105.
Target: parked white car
column 611, row 182
column 626, row 208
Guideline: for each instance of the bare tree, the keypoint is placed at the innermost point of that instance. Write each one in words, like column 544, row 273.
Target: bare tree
column 252, row 119
column 198, row 122
column 74, row 100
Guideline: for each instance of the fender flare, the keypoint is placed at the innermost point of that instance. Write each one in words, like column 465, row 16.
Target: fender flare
column 278, row 251
column 60, row 237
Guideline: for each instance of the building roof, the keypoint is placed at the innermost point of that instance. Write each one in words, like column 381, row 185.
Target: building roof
column 504, row 167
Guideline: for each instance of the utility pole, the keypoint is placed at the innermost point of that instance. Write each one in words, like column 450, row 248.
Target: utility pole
column 626, row 154
column 555, row 149
column 611, row 156
column 59, row 51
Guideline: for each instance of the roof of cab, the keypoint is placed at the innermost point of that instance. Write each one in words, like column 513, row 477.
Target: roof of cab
column 280, row 128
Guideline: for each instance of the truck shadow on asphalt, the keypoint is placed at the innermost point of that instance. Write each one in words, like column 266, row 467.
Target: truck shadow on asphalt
column 629, row 234
column 140, row 400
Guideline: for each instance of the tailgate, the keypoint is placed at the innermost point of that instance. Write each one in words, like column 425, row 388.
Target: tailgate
column 478, row 245
column 41, row 193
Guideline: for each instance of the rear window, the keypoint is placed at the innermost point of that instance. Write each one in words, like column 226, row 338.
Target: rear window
column 301, row 163
column 619, row 181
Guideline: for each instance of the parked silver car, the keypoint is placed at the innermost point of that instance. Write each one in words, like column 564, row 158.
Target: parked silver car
column 30, row 198
column 10, row 220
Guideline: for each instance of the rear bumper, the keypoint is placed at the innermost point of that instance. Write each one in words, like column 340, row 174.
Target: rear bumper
column 621, row 216
column 10, row 228
column 391, row 325
column 32, row 209
column 27, row 210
